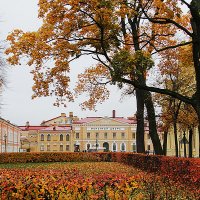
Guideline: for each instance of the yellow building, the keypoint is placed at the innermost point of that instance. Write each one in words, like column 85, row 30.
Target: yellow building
column 116, row 134
column 181, row 136
column 29, row 138
column 62, row 120
column 55, row 138
column 9, row 136
column 31, row 135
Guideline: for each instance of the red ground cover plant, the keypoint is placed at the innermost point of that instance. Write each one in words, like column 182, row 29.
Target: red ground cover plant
column 86, row 180
column 158, row 177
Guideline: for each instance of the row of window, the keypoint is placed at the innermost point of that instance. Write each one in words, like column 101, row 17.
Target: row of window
column 106, row 135
column 67, row 137
column 88, row 146
column 48, row 148
column 114, row 146
column 49, row 137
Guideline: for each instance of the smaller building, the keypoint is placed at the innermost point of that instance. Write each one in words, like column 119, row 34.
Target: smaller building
column 62, row 120
column 55, row 138
column 183, row 142
column 29, row 137
column 9, row 136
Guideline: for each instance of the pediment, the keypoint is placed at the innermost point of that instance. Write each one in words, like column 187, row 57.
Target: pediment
column 106, row 121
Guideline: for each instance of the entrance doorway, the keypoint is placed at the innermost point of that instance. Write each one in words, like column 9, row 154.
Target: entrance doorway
column 106, row 146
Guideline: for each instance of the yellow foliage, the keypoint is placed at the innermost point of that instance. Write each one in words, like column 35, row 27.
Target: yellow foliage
column 101, row 28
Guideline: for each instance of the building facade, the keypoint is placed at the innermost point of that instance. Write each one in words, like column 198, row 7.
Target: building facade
column 48, row 136
column 29, row 138
column 116, row 134
column 55, row 138
column 62, row 120
column 9, row 136
column 183, row 137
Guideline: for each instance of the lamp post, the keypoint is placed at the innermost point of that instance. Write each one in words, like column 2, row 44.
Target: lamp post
column 5, row 142
column 22, row 143
column 96, row 142
column 184, row 141
column 29, row 146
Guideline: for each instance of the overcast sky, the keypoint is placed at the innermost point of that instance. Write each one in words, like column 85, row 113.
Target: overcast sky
column 18, row 107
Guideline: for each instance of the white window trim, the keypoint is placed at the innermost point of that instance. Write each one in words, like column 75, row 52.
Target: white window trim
column 116, row 146
column 134, row 143
column 121, row 146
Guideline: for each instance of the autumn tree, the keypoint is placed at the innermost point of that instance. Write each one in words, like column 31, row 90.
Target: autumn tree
column 110, row 31
column 107, row 30
column 177, row 75
column 169, row 13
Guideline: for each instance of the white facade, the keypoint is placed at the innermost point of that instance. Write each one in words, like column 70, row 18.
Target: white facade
column 9, row 137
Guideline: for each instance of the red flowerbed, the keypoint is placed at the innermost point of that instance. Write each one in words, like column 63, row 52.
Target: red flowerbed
column 182, row 170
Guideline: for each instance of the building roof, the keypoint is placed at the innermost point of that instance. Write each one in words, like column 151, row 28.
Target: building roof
column 29, row 128
column 56, row 128
column 92, row 119
column 8, row 123
column 52, row 119
column 124, row 120
column 44, row 128
column 86, row 120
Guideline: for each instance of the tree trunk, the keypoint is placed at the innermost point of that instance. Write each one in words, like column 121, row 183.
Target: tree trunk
column 199, row 138
column 165, row 142
column 140, row 121
column 175, row 137
column 152, row 124
column 190, row 142
column 184, row 143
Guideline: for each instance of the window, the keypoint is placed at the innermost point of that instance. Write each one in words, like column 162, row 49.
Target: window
column 114, row 147
column 54, row 147
column 67, row 137
column 48, row 147
column 61, row 147
column 41, row 147
column 123, row 147
column 114, row 135
column 148, row 147
column 134, row 147
column 123, row 135
column 133, row 136
column 88, row 135
column 42, row 137
column 77, row 135
column 48, row 137
column 61, row 137
column 105, row 135
column 67, row 147
column 97, row 135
